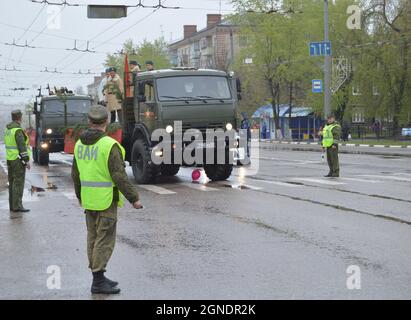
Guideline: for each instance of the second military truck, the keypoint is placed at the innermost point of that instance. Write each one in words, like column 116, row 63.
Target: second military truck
column 196, row 98
column 53, row 114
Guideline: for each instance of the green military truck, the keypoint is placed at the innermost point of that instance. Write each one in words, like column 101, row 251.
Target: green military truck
column 197, row 98
column 53, row 114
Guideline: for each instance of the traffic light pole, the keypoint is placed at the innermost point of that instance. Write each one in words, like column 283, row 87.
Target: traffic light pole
column 327, row 66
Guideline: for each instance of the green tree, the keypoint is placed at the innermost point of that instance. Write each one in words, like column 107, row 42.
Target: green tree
column 155, row 51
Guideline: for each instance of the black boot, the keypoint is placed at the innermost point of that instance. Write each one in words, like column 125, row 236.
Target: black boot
column 111, row 282
column 100, row 285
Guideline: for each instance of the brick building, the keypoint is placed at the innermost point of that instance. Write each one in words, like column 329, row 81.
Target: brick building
column 213, row 47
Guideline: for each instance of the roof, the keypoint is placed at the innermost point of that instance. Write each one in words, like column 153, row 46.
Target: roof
column 283, row 111
column 226, row 23
column 181, row 72
column 69, row 97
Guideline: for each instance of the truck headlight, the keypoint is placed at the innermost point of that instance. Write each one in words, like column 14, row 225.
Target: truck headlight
column 49, row 131
column 169, row 129
column 44, row 145
column 229, row 126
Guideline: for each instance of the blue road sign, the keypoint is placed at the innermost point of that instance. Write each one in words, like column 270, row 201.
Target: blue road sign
column 317, row 86
column 320, row 49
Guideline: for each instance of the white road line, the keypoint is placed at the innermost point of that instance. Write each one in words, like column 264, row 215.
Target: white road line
column 70, row 195
column 155, row 189
column 247, row 186
column 360, row 180
column 279, row 183
column 198, row 186
column 395, row 178
column 328, row 182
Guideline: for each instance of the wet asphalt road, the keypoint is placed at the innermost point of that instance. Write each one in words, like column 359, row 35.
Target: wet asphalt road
column 284, row 233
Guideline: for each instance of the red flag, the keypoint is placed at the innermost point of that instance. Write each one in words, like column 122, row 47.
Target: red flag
column 126, row 76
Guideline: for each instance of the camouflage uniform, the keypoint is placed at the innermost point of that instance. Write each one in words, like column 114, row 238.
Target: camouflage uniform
column 17, row 170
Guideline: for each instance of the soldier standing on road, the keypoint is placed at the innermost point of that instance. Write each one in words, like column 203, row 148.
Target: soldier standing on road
column 114, row 92
column 330, row 138
column 18, row 159
column 100, row 180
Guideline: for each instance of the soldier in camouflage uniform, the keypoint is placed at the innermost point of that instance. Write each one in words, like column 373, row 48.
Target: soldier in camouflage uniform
column 101, row 224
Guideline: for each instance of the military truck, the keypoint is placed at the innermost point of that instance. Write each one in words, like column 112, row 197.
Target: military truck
column 54, row 113
column 200, row 98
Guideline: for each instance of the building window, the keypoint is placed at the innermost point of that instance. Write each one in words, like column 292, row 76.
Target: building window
column 356, row 90
column 358, row 117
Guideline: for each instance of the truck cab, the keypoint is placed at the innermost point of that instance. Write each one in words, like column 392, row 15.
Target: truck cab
column 53, row 115
column 193, row 99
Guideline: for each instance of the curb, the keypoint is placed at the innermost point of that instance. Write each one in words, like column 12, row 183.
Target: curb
column 345, row 148
column 341, row 144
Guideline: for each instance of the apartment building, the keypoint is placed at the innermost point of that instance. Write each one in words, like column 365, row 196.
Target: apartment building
column 213, row 47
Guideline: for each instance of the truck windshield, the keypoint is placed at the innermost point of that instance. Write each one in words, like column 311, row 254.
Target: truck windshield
column 73, row 106
column 193, row 87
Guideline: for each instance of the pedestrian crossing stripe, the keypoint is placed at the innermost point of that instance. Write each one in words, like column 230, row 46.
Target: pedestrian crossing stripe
column 395, row 178
column 320, row 181
column 360, row 180
column 156, row 189
column 198, row 186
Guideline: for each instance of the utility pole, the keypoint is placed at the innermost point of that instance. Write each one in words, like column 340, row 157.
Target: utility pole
column 327, row 66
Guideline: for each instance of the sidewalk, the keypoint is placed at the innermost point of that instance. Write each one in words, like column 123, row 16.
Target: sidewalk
column 404, row 151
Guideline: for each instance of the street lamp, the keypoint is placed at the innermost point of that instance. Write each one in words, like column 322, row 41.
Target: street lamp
column 327, row 66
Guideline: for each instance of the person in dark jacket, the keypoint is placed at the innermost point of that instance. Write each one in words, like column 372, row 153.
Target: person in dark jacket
column 245, row 124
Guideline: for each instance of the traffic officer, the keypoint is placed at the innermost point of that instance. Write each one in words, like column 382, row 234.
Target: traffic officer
column 18, row 159
column 331, row 136
column 100, row 181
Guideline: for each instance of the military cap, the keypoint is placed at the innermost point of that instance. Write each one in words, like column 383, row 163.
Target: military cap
column 112, row 69
column 98, row 114
column 107, row 70
column 16, row 114
column 150, row 62
column 134, row 62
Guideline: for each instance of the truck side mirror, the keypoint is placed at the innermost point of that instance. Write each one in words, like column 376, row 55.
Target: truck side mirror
column 35, row 109
column 239, row 90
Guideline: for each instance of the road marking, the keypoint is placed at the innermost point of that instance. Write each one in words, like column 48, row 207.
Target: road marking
column 155, row 189
column 360, row 180
column 198, row 186
column 387, row 177
column 246, row 186
column 279, row 183
column 333, row 183
column 70, row 195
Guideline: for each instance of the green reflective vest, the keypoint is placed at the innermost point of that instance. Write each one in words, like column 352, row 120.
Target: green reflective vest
column 12, row 151
column 328, row 138
column 96, row 182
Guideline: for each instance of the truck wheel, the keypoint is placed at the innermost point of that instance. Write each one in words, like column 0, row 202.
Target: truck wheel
column 218, row 172
column 35, row 155
column 169, row 169
column 144, row 170
column 42, row 157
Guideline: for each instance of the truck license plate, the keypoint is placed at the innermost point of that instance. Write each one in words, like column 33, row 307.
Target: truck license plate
column 205, row 145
